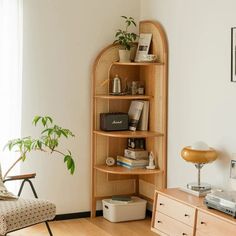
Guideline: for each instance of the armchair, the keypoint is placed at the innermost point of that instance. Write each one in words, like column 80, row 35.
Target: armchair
column 21, row 213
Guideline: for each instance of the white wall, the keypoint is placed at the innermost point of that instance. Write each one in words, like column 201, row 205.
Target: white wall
column 61, row 41
column 201, row 96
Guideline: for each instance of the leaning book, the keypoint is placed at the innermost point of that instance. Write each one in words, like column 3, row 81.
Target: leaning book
column 143, row 121
column 134, row 114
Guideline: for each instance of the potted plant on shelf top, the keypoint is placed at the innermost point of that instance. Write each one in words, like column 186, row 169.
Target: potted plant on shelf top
column 125, row 39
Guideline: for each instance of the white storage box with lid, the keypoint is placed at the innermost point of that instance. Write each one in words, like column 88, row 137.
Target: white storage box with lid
column 117, row 211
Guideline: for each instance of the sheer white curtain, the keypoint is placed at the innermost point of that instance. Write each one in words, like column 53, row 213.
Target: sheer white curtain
column 10, row 76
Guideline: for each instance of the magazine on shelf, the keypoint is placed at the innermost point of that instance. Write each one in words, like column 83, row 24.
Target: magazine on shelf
column 143, row 121
column 143, row 46
column 134, row 114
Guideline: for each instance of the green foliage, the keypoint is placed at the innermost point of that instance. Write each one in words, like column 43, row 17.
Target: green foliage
column 47, row 141
column 124, row 37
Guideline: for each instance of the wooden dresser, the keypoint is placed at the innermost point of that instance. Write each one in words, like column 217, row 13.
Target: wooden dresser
column 176, row 213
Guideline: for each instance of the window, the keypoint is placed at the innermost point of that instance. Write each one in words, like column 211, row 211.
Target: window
column 10, row 76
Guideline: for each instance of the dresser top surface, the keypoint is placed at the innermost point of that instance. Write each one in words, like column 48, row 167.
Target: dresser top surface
column 197, row 202
column 181, row 196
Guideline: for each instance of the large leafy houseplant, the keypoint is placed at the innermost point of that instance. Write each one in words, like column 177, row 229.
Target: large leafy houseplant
column 48, row 141
column 125, row 38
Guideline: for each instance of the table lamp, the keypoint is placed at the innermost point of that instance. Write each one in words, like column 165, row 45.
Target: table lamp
column 199, row 154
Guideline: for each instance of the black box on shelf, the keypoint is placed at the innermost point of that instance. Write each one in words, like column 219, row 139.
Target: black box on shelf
column 136, row 143
column 114, row 121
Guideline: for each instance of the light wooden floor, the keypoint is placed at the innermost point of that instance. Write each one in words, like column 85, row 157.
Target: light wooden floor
column 90, row 227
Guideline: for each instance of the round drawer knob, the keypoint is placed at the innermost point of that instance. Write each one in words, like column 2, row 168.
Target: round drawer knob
column 159, row 222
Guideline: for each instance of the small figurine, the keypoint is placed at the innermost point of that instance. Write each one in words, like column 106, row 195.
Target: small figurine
column 151, row 164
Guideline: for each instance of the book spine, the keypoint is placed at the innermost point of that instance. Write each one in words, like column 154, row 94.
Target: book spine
column 143, row 121
column 120, row 163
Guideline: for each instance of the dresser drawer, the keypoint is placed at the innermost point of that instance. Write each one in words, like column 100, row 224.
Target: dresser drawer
column 209, row 225
column 175, row 209
column 171, row 226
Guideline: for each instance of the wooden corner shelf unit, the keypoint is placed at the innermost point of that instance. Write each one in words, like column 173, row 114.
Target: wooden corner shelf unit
column 117, row 180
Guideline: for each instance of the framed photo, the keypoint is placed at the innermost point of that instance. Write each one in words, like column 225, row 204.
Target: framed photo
column 143, row 46
column 233, row 54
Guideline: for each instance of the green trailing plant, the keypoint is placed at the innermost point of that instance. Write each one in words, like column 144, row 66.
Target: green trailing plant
column 48, row 141
column 124, row 37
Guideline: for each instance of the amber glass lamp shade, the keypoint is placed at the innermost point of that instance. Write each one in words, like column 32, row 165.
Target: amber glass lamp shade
column 198, row 156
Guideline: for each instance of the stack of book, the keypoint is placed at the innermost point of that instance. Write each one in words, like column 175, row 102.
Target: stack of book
column 133, row 159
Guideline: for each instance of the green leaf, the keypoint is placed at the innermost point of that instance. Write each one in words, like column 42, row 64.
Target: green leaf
column 118, row 33
column 49, row 118
column 65, row 133
column 48, row 130
column 33, row 145
column 69, row 162
column 36, row 119
column 39, row 143
column 66, row 158
column 72, row 169
column 44, row 121
column 133, row 23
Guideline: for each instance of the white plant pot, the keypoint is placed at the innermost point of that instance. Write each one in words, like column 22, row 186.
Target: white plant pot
column 124, row 55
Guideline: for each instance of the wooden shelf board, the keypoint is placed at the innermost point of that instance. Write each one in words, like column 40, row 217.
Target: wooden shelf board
column 138, row 63
column 125, row 171
column 128, row 134
column 123, row 97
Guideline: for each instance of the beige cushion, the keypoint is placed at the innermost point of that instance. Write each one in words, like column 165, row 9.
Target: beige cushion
column 16, row 214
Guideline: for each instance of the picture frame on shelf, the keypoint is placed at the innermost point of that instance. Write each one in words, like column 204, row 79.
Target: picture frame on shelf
column 143, row 46
column 233, row 54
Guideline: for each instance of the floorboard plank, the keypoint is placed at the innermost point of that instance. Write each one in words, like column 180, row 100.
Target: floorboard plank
column 89, row 227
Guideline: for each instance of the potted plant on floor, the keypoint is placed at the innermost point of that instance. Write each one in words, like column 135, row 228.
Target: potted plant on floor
column 125, row 39
column 48, row 141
